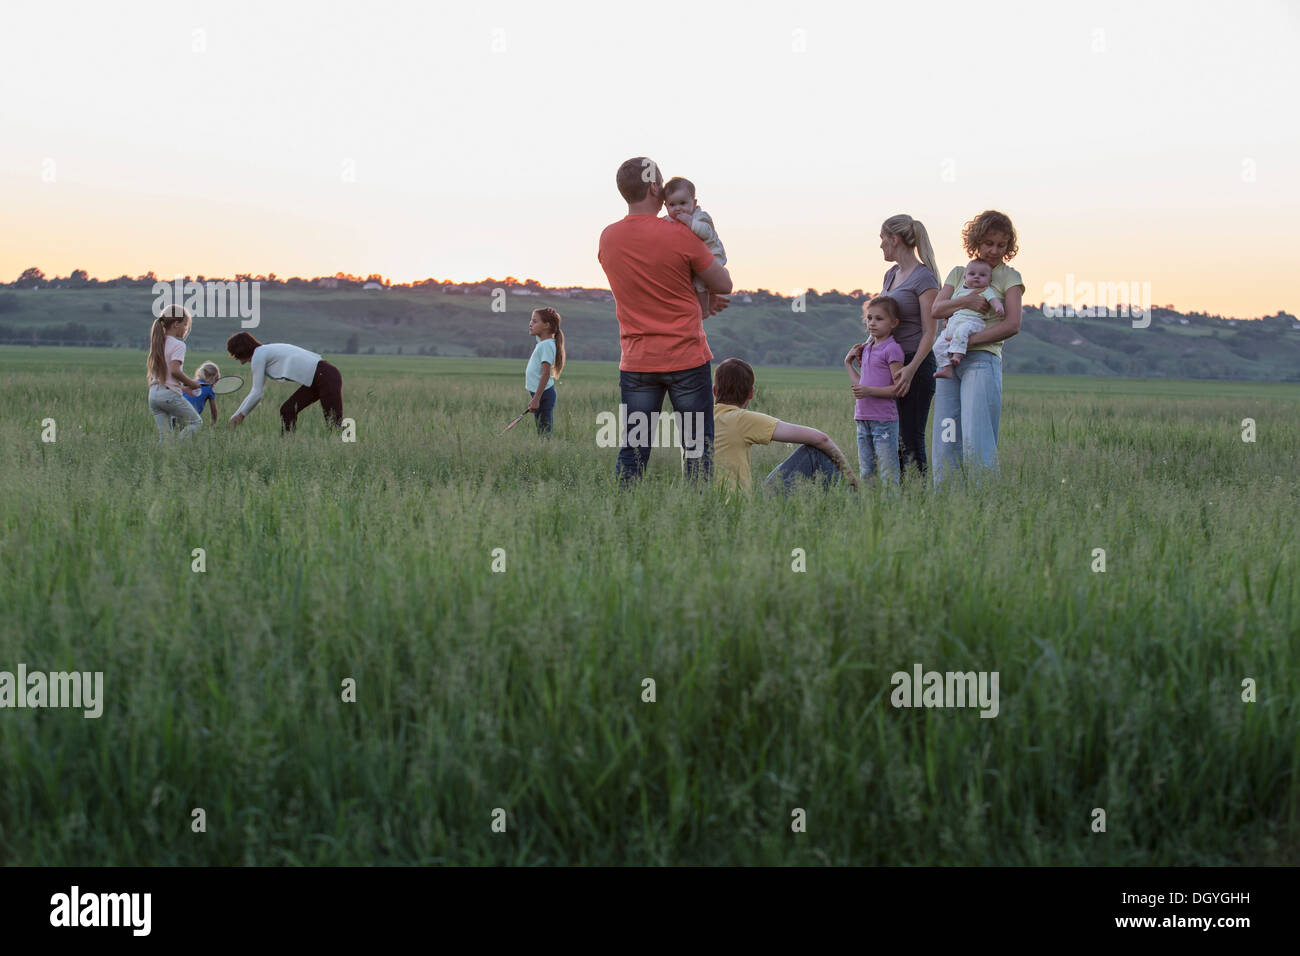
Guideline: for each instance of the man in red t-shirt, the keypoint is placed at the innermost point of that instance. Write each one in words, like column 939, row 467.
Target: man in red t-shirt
column 650, row 263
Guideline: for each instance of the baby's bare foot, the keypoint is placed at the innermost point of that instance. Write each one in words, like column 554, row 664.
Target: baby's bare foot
column 945, row 372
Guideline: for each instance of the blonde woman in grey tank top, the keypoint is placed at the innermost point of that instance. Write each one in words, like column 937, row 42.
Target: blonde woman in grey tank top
column 913, row 283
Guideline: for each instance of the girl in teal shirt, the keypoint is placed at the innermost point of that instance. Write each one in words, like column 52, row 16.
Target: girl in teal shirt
column 544, row 366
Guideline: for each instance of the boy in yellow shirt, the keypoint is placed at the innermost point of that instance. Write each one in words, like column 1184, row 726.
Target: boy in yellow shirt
column 736, row 429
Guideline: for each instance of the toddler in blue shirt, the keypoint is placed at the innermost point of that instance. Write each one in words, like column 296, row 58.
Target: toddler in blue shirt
column 208, row 375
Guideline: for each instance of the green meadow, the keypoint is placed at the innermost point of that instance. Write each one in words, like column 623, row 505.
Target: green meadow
column 523, row 690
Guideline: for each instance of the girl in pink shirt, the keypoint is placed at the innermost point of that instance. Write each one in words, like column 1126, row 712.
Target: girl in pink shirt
column 876, row 411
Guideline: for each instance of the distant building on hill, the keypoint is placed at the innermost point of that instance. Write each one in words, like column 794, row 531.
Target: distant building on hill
column 371, row 285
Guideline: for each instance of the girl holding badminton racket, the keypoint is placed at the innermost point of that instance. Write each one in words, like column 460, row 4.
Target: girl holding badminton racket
column 544, row 366
column 166, row 379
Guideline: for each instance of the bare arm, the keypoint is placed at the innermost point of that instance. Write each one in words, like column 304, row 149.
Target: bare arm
column 255, row 393
column 873, row 391
column 852, row 364
column 929, row 328
column 181, row 376
column 716, row 278
column 1007, row 327
column 541, row 387
column 929, row 332
column 995, row 302
column 800, row 435
column 212, row 403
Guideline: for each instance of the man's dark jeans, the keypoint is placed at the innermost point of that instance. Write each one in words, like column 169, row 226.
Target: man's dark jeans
column 691, row 392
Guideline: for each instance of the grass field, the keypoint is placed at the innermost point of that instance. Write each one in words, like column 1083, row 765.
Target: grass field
column 522, row 690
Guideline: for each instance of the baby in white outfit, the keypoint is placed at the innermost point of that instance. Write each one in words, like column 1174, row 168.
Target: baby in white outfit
column 679, row 196
column 950, row 347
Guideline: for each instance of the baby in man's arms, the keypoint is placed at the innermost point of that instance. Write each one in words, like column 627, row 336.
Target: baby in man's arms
column 679, row 196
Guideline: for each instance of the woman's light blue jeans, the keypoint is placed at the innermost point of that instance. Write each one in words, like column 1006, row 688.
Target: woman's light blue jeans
column 967, row 412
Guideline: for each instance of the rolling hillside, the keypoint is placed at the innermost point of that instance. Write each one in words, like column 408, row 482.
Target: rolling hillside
column 436, row 322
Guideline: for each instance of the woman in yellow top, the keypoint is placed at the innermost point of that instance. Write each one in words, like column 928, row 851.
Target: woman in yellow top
column 968, row 406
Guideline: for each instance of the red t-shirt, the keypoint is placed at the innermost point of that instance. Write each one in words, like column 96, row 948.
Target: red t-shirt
column 649, row 262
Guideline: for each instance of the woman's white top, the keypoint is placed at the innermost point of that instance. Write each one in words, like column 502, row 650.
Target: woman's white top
column 282, row 361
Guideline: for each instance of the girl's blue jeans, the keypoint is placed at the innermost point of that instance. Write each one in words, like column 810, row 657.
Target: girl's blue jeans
column 878, row 450
column 546, row 412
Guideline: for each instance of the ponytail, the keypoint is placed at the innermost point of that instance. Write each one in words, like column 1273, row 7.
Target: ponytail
column 559, row 352
column 156, row 366
column 915, row 237
column 925, row 250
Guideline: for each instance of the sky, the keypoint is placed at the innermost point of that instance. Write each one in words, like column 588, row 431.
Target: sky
column 1150, row 144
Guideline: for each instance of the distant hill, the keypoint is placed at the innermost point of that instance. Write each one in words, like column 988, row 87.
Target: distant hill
column 461, row 321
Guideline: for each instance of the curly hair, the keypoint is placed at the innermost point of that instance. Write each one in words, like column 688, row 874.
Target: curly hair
column 990, row 220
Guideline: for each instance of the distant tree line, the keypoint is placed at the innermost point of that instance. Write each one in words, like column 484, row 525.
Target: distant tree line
column 71, row 333
column 34, row 278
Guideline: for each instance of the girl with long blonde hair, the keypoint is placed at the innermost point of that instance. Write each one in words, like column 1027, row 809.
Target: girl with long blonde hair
column 165, row 376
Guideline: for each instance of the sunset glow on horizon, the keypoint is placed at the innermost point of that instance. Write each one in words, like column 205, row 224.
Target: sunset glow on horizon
column 1150, row 145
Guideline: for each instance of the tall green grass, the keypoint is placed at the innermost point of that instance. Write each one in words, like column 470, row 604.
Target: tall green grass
column 522, row 690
